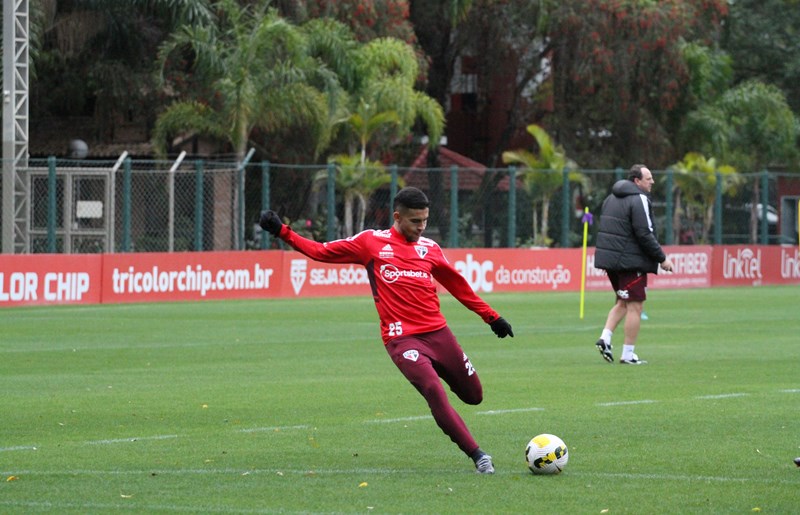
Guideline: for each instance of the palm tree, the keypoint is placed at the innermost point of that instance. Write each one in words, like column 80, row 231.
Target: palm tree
column 357, row 180
column 541, row 175
column 256, row 73
column 696, row 184
column 258, row 70
column 357, row 177
column 382, row 108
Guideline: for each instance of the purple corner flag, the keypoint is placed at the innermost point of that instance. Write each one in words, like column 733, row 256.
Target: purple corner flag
column 587, row 218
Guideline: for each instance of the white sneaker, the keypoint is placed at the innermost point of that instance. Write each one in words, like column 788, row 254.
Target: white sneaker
column 484, row 465
column 633, row 360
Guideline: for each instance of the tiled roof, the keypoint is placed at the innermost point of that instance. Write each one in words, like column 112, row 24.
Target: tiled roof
column 470, row 173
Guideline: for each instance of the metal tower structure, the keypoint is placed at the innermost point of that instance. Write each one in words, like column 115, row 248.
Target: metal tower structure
column 15, row 125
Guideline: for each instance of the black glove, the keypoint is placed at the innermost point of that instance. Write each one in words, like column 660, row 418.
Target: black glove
column 501, row 328
column 270, row 222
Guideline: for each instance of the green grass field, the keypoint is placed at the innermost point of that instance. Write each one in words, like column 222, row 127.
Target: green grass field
column 292, row 406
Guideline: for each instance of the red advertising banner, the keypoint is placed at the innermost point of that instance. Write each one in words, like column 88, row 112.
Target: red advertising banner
column 691, row 268
column 150, row 277
column 191, row 276
column 500, row 270
column 50, row 279
column 754, row 265
column 304, row 277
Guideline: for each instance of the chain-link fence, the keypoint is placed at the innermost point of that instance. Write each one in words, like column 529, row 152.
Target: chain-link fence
column 67, row 206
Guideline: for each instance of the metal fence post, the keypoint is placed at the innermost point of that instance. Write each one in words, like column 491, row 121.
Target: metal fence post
column 512, row 207
column 764, row 203
column 392, row 190
column 198, row 205
column 240, row 194
column 453, row 206
column 265, row 201
column 331, row 201
column 718, row 209
column 171, row 206
column 668, row 239
column 126, row 205
column 51, row 204
column 565, row 205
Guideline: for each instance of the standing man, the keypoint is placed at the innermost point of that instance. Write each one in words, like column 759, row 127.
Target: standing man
column 627, row 250
column 401, row 265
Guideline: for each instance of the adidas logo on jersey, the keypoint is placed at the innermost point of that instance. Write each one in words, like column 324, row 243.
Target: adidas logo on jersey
column 386, row 252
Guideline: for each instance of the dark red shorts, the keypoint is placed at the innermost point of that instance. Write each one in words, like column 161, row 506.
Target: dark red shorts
column 629, row 285
column 424, row 358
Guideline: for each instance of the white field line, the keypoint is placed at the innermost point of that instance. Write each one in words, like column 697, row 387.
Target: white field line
column 18, row 448
column 271, row 429
column 132, row 439
column 401, row 419
column 129, row 505
column 389, row 472
column 504, row 411
column 380, row 421
column 429, row 417
column 626, row 403
column 721, row 396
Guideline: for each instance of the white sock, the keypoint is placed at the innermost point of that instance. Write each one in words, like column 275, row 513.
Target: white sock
column 627, row 351
column 606, row 335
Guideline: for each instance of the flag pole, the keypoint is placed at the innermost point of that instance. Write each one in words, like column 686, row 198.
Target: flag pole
column 587, row 219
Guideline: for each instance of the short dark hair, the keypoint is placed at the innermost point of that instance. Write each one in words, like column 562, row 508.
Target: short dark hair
column 635, row 172
column 411, row 198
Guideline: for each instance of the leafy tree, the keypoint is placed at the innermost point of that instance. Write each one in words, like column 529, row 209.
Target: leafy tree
column 368, row 19
column 93, row 57
column 696, row 186
column 541, row 175
column 618, row 74
column 763, row 38
column 750, row 126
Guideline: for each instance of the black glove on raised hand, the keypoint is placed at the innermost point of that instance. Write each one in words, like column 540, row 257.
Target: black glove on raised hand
column 270, row 222
column 501, row 328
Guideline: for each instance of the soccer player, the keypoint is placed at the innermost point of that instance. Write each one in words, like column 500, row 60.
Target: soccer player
column 627, row 250
column 402, row 265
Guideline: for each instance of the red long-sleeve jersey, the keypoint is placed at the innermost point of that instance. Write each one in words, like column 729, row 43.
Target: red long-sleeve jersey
column 401, row 276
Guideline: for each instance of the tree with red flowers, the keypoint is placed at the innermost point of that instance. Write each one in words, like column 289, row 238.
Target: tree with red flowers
column 618, row 75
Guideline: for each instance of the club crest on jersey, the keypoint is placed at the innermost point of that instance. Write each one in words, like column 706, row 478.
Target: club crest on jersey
column 421, row 251
column 412, row 355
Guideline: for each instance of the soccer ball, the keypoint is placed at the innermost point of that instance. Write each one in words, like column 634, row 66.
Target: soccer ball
column 546, row 454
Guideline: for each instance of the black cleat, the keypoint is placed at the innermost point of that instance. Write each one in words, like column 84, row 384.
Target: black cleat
column 605, row 350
